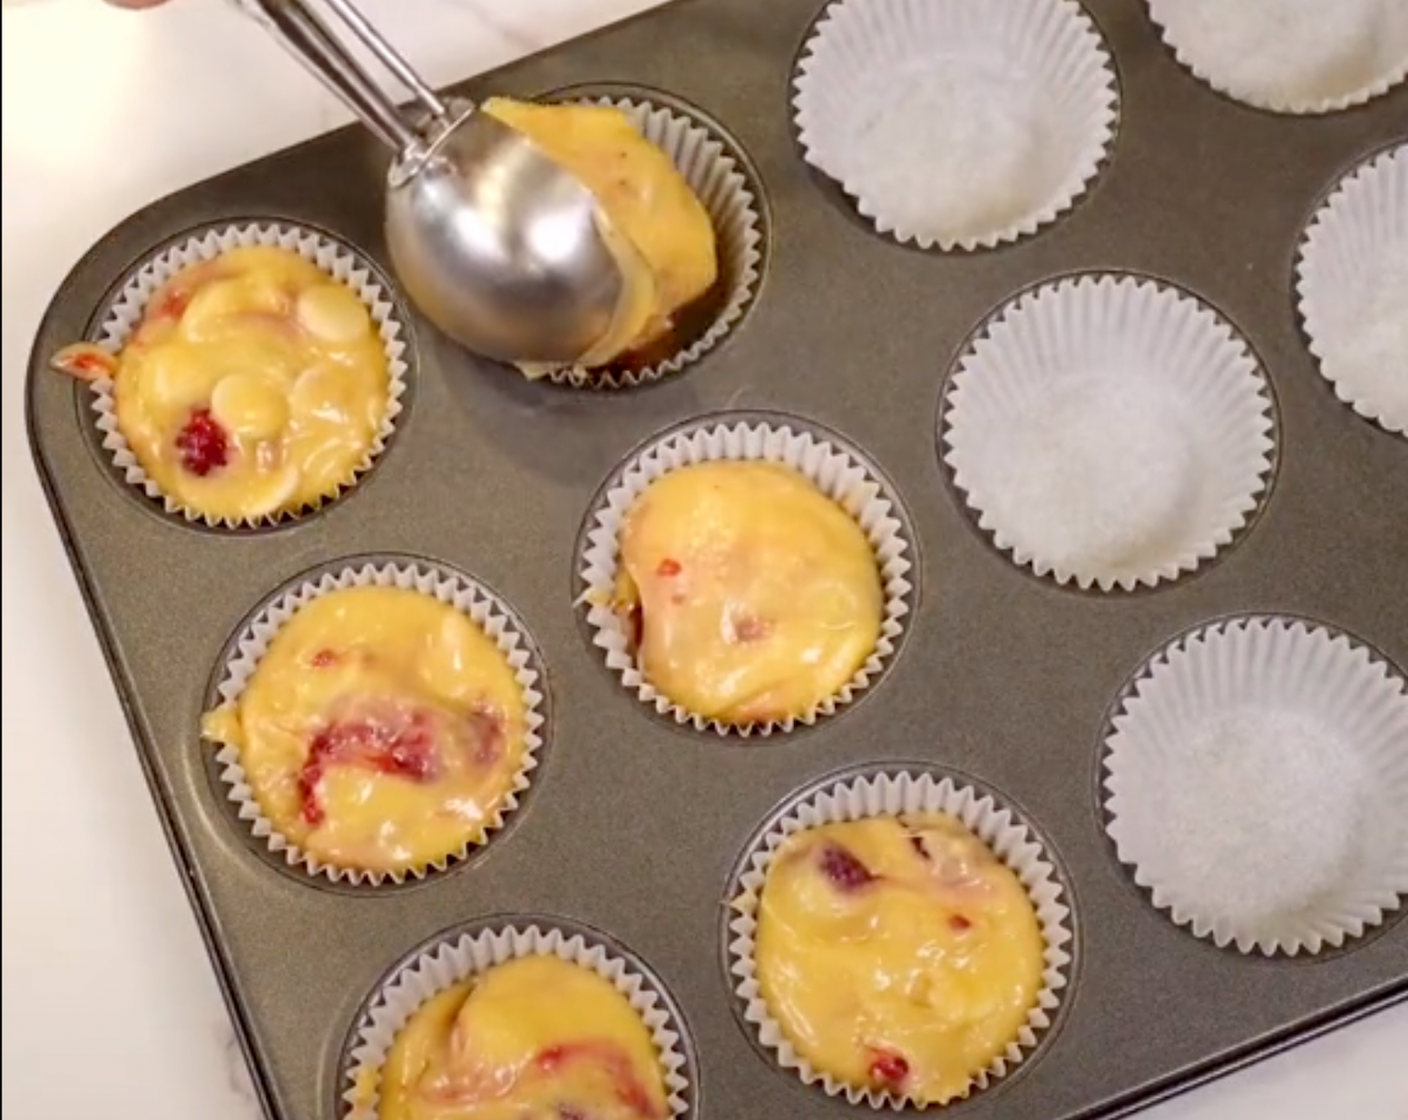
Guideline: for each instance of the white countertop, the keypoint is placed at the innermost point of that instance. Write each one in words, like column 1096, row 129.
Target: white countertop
column 110, row 1007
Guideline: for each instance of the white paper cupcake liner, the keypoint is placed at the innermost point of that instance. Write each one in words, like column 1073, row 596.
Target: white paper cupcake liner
column 1353, row 288
column 957, row 123
column 1257, row 778
column 1109, row 431
column 491, row 615
column 457, row 956
column 839, row 472
column 124, row 314
column 888, row 791
column 719, row 183
column 1289, row 56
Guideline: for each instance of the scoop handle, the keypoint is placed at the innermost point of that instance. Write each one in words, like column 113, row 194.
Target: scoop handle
column 310, row 39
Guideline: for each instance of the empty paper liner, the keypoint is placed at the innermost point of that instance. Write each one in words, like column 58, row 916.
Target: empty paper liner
column 1256, row 777
column 1290, row 56
column 957, row 123
column 1109, row 431
column 1353, row 287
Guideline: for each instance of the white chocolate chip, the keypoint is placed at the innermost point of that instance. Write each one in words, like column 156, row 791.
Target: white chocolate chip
column 250, row 406
column 325, row 392
column 332, row 313
column 267, row 493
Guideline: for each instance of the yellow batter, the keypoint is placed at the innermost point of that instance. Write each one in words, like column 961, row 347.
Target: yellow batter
column 659, row 231
column 381, row 730
column 756, row 596
column 535, row 1038
column 897, row 954
column 254, row 385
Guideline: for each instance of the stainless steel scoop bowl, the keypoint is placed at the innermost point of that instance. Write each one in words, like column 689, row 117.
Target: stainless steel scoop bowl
column 496, row 244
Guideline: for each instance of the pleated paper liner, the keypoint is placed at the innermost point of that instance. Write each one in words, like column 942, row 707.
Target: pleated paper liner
column 705, row 157
column 341, row 262
column 1289, row 56
column 459, row 954
column 1256, row 775
column 489, row 613
column 890, row 790
column 841, row 472
column 1352, row 284
column 957, row 124
column 1109, row 431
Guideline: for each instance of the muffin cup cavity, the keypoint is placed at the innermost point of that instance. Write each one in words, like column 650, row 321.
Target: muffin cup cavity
column 881, row 790
column 702, row 156
column 953, row 123
column 838, row 471
column 120, row 318
column 488, row 612
column 1352, row 283
column 1109, row 431
column 1255, row 778
column 463, row 953
column 1301, row 57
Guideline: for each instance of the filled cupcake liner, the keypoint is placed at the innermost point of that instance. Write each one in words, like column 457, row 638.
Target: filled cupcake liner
column 124, row 314
column 889, row 792
column 1257, row 773
column 1109, row 431
column 721, row 186
column 1352, row 283
column 459, row 955
column 959, row 124
column 1299, row 57
column 491, row 615
column 840, row 473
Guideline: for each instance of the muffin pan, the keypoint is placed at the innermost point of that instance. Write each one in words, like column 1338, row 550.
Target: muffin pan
column 633, row 825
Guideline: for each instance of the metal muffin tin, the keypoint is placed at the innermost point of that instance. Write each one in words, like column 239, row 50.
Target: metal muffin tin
column 632, row 824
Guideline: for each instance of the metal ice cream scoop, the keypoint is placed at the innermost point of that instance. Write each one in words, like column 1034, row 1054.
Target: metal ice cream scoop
column 495, row 243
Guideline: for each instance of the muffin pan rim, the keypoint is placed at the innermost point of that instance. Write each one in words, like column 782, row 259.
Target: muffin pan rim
column 53, row 460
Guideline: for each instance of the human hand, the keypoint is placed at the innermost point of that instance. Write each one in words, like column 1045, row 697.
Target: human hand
column 135, row 4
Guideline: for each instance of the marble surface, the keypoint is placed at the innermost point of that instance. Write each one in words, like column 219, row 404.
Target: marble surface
column 110, row 1008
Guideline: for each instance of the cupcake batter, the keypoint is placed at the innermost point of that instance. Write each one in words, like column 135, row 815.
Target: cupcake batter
column 382, row 729
column 659, row 231
column 757, row 597
column 254, row 385
column 897, row 953
column 536, row 1038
